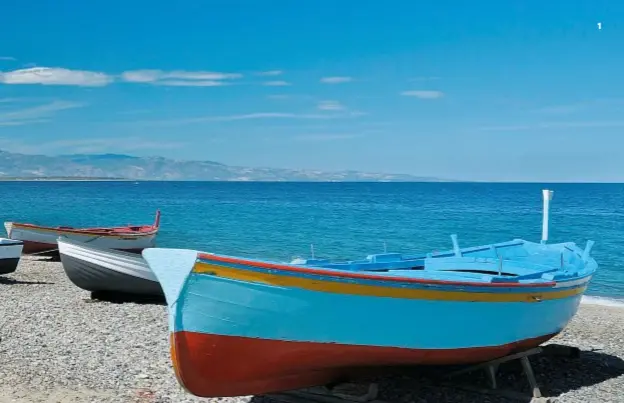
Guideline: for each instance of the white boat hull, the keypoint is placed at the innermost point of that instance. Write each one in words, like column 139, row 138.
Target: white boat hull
column 10, row 253
column 40, row 240
column 94, row 269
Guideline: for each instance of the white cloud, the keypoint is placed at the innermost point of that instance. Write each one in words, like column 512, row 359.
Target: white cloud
column 270, row 73
column 88, row 145
column 35, row 114
column 55, row 76
column 424, row 78
column 336, row 80
column 330, row 106
column 265, row 115
column 250, row 116
column 326, row 137
column 198, row 83
column 179, row 77
column 423, row 94
column 555, row 125
column 278, row 96
column 276, row 83
column 8, row 58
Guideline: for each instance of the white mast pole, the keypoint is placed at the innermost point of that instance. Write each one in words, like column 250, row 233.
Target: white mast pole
column 547, row 195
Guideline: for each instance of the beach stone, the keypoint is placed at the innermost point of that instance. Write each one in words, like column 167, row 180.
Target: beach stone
column 58, row 345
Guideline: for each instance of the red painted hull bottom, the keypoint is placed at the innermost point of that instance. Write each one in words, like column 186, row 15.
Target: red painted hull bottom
column 38, row 247
column 222, row 366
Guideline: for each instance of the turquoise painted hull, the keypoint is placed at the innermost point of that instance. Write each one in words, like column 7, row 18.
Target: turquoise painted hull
column 229, row 307
column 241, row 326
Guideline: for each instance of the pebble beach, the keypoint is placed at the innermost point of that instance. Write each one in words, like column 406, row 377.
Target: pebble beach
column 59, row 345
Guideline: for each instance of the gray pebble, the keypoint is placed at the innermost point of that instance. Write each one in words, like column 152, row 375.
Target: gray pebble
column 57, row 345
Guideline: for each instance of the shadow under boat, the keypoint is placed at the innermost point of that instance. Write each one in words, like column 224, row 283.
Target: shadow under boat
column 557, row 370
column 109, row 274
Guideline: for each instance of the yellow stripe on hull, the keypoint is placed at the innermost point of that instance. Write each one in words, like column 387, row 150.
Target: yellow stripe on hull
column 381, row 291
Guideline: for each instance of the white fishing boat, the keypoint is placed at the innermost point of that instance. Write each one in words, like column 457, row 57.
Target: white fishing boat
column 106, row 270
column 10, row 253
column 40, row 239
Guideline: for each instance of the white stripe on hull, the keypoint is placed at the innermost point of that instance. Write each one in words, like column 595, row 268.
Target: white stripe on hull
column 106, row 242
column 572, row 283
column 112, row 260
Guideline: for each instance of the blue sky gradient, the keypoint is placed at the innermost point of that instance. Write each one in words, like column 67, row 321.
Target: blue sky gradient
column 485, row 90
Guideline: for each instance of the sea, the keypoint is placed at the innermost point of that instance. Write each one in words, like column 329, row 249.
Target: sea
column 281, row 221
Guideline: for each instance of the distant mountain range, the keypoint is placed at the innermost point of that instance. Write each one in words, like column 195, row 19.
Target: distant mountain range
column 119, row 166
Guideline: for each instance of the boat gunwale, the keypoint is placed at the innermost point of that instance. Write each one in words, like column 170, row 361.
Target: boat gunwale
column 144, row 230
column 358, row 275
column 104, row 231
column 85, row 245
column 10, row 242
column 588, row 270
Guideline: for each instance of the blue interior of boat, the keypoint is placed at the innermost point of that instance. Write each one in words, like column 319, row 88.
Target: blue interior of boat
column 514, row 261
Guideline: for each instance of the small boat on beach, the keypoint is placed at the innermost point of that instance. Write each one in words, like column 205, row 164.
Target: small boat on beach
column 242, row 326
column 10, row 253
column 41, row 239
column 107, row 270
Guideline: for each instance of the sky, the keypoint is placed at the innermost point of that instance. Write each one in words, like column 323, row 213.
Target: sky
column 511, row 90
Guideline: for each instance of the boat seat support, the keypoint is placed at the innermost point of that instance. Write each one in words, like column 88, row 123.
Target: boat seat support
column 491, row 369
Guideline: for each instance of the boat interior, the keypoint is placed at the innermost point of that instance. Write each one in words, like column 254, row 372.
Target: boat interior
column 516, row 261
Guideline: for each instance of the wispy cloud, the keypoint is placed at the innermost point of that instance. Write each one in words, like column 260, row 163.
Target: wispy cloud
column 8, row 58
column 270, row 73
column 423, row 94
column 88, row 145
column 330, row 106
column 278, row 83
column 555, row 125
column 179, row 77
column 424, row 78
column 251, row 116
column 336, row 80
column 326, row 137
column 278, row 96
column 35, row 114
column 55, row 76
column 571, row 108
column 197, row 83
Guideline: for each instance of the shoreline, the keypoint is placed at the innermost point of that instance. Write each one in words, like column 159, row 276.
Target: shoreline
column 599, row 300
column 57, row 344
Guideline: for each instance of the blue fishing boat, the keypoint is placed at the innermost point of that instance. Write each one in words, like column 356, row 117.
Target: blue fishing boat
column 243, row 326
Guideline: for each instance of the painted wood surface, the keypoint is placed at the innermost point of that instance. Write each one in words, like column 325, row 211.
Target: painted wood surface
column 296, row 325
column 10, row 253
column 41, row 238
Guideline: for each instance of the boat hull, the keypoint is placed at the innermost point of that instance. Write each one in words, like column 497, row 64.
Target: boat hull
column 272, row 328
column 42, row 240
column 249, row 366
column 98, row 270
column 10, row 253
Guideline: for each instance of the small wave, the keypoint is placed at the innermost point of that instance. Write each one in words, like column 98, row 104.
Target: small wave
column 603, row 301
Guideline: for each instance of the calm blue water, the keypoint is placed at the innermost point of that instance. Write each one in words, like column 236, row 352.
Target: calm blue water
column 281, row 220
